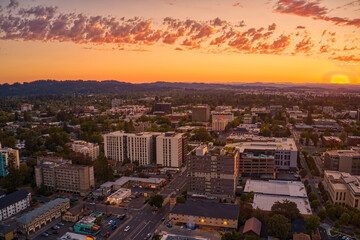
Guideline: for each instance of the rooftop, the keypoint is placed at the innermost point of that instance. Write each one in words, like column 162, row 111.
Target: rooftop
column 13, row 198
column 342, row 180
column 30, row 216
column 205, row 209
column 123, row 180
column 271, row 144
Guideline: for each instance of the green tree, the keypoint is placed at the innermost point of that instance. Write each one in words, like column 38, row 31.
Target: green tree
column 322, row 214
column 102, row 170
column 279, row 226
column 287, row 208
column 312, row 223
column 233, row 235
column 309, row 120
column 98, row 220
column 156, row 200
column 312, row 196
column 303, row 173
column 345, row 218
column 202, row 135
column 315, row 204
column 180, row 199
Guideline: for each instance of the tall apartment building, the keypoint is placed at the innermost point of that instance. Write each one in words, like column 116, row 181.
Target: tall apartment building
column 61, row 175
column 343, row 160
column 170, row 149
column 343, row 188
column 133, row 146
column 219, row 124
column 88, row 149
column 267, row 155
column 8, row 156
column 200, row 113
column 213, row 171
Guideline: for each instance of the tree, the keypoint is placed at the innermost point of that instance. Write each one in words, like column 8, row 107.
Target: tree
column 309, row 120
column 345, row 218
column 233, row 235
column 312, row 196
column 156, row 200
column 279, row 226
column 98, row 220
column 180, row 199
column 303, row 173
column 312, row 223
column 201, row 135
column 102, row 170
column 287, row 208
column 322, row 214
column 315, row 204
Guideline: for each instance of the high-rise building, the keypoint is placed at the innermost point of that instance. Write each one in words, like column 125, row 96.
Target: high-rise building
column 223, row 115
column 213, row 171
column 163, row 107
column 8, row 156
column 56, row 174
column 139, row 147
column 88, row 149
column 170, row 149
column 343, row 160
column 267, row 155
column 219, row 124
column 200, row 113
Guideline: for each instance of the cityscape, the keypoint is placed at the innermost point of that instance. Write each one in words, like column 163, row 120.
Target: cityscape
column 180, row 120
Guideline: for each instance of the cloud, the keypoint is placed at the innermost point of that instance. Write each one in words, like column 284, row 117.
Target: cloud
column 305, row 45
column 272, row 27
column 13, row 4
column 300, row 27
column 237, row 4
column 350, row 58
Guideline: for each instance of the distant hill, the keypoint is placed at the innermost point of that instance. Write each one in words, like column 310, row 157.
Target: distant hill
column 70, row 87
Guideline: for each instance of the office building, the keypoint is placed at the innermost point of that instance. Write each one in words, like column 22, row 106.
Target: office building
column 353, row 140
column 14, row 203
column 163, row 107
column 222, row 115
column 200, row 113
column 343, row 188
column 76, row 212
column 213, row 171
column 266, row 193
column 171, row 149
column 34, row 220
column 139, row 147
column 266, row 155
column 219, row 125
column 119, row 196
column 8, row 156
column 343, row 160
column 7, row 232
column 206, row 215
column 62, row 176
column 88, row 149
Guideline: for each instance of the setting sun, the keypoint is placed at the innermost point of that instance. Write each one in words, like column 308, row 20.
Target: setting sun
column 340, row 79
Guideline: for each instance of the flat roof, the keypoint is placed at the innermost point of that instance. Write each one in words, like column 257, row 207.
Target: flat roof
column 276, row 187
column 271, row 144
column 74, row 236
column 205, row 209
column 123, row 180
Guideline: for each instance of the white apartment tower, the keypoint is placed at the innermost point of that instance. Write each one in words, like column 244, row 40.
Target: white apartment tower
column 169, row 150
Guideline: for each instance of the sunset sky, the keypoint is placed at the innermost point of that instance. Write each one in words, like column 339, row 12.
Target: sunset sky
column 300, row 41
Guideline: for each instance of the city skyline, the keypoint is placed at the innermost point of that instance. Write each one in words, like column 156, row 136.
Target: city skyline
column 299, row 41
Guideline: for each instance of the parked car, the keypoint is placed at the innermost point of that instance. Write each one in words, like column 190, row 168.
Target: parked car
column 45, row 234
column 127, row 228
column 61, row 223
column 92, row 203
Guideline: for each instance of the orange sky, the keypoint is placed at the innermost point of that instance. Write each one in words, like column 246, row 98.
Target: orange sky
column 276, row 42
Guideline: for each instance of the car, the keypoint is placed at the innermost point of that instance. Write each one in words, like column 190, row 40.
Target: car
column 55, row 232
column 109, row 215
column 45, row 234
column 127, row 228
column 111, row 221
column 56, row 227
column 92, row 203
column 122, row 216
column 114, row 227
column 61, row 223
column 163, row 219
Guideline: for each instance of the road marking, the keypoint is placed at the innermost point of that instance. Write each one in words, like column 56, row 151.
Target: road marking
column 135, row 230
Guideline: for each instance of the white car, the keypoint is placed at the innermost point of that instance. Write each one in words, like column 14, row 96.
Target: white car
column 110, row 222
column 92, row 203
column 127, row 228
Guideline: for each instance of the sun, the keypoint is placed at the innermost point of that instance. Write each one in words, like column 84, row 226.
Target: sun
column 340, row 79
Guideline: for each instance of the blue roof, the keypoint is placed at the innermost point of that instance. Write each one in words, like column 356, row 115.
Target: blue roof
column 30, row 216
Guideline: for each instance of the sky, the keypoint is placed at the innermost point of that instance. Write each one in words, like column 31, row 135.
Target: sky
column 223, row 41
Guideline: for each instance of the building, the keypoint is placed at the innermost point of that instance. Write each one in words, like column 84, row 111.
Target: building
column 171, row 149
column 32, row 221
column 252, row 227
column 8, row 156
column 163, row 107
column 331, row 141
column 219, row 125
column 119, row 196
column 353, row 140
column 206, row 215
column 61, row 175
column 266, row 155
column 266, row 193
column 14, row 203
column 88, row 149
column 87, row 225
column 26, row 107
column 75, row 236
column 343, row 188
column 213, row 171
column 154, row 183
column 133, row 146
column 7, row 232
column 74, row 213
column 343, row 160
column 116, row 102
column 323, row 124
column 200, row 113
column 228, row 115
column 301, row 236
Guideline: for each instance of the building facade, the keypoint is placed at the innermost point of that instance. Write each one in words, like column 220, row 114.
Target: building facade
column 343, row 188
column 219, row 125
column 170, row 149
column 119, row 196
column 213, row 171
column 200, row 113
column 39, row 217
column 343, row 160
column 14, row 203
column 8, row 156
column 65, row 177
column 88, row 149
